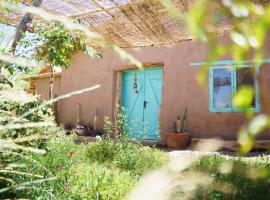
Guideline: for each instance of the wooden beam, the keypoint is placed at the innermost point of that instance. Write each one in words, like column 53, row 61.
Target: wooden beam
column 101, row 7
column 145, row 65
column 107, row 9
column 22, row 26
column 118, row 87
column 43, row 76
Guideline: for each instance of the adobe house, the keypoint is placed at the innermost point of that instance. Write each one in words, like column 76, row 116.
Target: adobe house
column 167, row 85
column 40, row 85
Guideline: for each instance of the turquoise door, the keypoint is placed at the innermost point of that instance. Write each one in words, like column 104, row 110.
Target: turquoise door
column 141, row 97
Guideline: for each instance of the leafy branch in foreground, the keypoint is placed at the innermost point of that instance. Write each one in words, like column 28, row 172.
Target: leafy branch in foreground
column 249, row 24
column 245, row 28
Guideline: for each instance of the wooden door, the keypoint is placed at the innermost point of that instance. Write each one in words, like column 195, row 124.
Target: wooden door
column 141, row 97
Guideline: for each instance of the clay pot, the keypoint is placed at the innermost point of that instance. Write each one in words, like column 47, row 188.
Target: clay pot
column 178, row 140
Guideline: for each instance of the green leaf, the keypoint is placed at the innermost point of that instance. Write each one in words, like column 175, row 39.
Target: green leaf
column 244, row 97
column 258, row 124
column 249, row 132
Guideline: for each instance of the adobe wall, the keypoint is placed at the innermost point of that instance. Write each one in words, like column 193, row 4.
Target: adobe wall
column 180, row 90
column 42, row 87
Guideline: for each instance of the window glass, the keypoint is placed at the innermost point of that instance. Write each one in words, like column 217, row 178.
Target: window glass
column 222, row 88
column 246, row 77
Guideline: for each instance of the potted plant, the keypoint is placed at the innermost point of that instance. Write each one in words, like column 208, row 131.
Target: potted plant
column 179, row 139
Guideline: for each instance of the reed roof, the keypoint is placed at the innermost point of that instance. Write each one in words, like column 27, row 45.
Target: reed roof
column 126, row 23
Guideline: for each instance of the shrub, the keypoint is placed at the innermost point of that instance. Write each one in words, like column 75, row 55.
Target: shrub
column 244, row 178
column 117, row 128
column 99, row 182
column 12, row 110
column 80, row 175
column 126, row 156
column 61, row 156
column 29, row 167
column 13, row 105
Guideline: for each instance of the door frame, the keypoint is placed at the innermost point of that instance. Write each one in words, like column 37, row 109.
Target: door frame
column 117, row 87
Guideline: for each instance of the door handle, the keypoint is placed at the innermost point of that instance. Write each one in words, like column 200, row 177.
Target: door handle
column 144, row 104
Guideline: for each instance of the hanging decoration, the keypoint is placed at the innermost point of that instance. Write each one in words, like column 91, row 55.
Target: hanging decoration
column 135, row 85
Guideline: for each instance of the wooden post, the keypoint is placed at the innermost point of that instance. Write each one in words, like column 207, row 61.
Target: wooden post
column 51, row 82
column 22, row 26
column 117, row 103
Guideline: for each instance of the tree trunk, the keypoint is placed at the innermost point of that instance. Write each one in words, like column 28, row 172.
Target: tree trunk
column 51, row 82
column 22, row 26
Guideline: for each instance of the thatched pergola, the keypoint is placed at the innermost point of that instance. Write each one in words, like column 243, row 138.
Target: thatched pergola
column 126, row 23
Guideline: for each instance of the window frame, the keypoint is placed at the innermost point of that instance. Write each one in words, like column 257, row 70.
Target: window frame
column 233, row 70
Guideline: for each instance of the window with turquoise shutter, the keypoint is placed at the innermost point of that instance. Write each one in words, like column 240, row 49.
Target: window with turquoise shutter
column 223, row 84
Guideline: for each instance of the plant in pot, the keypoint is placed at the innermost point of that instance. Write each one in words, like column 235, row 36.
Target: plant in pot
column 179, row 139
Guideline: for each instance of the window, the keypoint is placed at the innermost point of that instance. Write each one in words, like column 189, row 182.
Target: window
column 223, row 84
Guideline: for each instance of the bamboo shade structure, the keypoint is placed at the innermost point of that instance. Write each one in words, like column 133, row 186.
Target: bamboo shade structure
column 126, row 23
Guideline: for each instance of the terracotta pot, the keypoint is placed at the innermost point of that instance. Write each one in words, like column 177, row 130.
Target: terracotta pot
column 178, row 140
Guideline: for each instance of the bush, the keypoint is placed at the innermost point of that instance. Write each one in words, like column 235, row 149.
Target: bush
column 12, row 110
column 61, row 156
column 13, row 105
column 245, row 178
column 117, row 128
column 126, row 156
column 28, row 167
column 99, row 182
column 97, row 171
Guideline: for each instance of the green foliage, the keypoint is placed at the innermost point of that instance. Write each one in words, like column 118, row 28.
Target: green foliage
column 120, row 129
column 233, row 178
column 17, row 142
column 249, row 24
column 126, row 156
column 6, row 10
column 108, row 127
column 18, row 109
column 56, row 163
column 244, row 97
column 99, row 182
column 11, row 68
column 83, row 171
column 13, row 71
column 11, row 110
column 119, row 126
column 56, row 44
column 208, row 17
column 250, row 132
